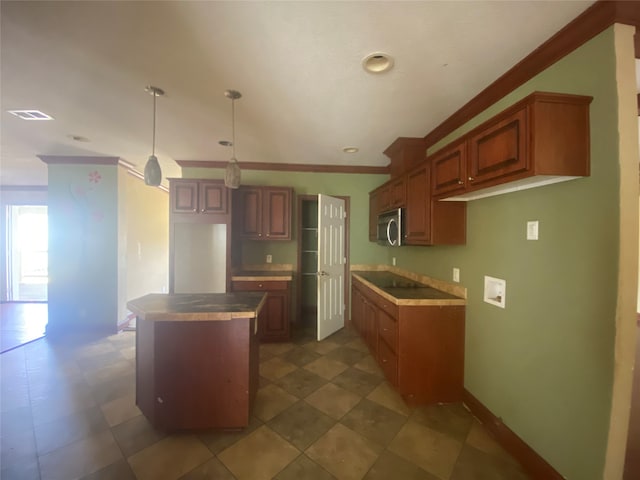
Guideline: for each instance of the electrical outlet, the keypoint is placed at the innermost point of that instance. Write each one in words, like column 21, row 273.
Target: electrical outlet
column 456, row 274
column 532, row 230
column 393, row 261
column 269, row 258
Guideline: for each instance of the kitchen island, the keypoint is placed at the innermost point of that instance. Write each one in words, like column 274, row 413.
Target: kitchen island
column 197, row 359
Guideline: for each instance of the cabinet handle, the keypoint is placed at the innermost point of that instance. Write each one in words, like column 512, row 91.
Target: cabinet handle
column 384, row 360
column 471, row 179
column 259, row 234
column 385, row 330
column 460, row 182
column 202, row 211
column 259, row 285
column 195, row 210
column 267, row 234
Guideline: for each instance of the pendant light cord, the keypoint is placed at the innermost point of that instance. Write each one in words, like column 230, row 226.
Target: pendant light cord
column 153, row 142
column 233, row 127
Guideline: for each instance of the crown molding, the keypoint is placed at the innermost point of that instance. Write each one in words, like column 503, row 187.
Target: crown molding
column 286, row 167
column 583, row 28
column 78, row 160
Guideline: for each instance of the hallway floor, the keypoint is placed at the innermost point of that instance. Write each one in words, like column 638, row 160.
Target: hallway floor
column 21, row 323
column 323, row 411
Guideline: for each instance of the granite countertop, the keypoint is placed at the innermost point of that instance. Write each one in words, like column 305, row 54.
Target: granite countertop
column 406, row 288
column 263, row 273
column 197, row 306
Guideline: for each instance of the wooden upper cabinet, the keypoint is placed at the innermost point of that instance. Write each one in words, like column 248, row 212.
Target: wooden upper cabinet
column 373, row 216
column 264, row 213
column 542, row 139
column 405, row 154
column 398, row 192
column 195, row 197
column 417, row 214
column 277, row 213
column 500, row 150
column 449, row 169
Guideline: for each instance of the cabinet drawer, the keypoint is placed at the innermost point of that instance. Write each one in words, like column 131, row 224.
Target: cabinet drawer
column 257, row 286
column 385, row 305
column 388, row 330
column 388, row 362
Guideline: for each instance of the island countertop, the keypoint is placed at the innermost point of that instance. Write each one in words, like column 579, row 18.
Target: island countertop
column 197, row 306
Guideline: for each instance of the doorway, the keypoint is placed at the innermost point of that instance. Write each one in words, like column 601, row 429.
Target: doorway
column 27, row 253
column 307, row 265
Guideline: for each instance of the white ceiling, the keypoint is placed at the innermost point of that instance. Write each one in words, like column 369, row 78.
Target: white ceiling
column 297, row 64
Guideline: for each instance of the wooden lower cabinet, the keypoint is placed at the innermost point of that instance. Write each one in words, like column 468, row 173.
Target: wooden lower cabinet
column 274, row 324
column 419, row 348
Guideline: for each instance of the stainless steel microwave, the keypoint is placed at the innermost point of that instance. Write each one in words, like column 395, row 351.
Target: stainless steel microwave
column 391, row 227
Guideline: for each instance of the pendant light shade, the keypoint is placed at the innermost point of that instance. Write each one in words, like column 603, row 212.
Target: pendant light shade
column 152, row 171
column 232, row 172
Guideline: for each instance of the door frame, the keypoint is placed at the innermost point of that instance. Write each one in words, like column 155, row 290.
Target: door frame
column 347, row 283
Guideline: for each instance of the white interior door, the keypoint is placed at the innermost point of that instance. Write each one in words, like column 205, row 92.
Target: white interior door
column 331, row 265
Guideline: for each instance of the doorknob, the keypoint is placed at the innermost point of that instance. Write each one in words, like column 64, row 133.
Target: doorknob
column 322, row 273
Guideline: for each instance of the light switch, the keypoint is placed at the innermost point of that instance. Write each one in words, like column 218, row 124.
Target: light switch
column 495, row 291
column 393, row 261
column 532, row 230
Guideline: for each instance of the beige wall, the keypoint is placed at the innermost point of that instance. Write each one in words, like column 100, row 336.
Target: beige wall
column 146, row 219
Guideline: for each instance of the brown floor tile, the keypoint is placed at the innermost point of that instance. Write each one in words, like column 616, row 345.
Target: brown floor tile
column 369, row 365
column 357, row 381
column 391, row 466
column 116, row 388
column 116, row 471
column 129, row 353
column 433, row 451
column 120, row 410
column 358, row 344
column 346, row 355
column 451, row 419
column 300, row 356
column 480, row 438
column 64, row 401
column 170, row 458
column 211, row 470
column 276, row 368
column 322, row 348
column 270, row 401
column 219, row 440
column 374, row 421
column 301, row 382
column 301, row 424
column 274, row 452
column 26, row 470
column 80, row 458
column 387, row 396
column 17, row 448
column 303, row 468
column 69, row 429
column 333, row 400
column 109, row 372
column 136, row 434
column 344, row 453
column 473, row 464
column 96, row 362
column 326, row 368
column 342, row 336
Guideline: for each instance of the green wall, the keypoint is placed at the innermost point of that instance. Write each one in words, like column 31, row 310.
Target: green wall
column 355, row 186
column 83, row 241
column 544, row 364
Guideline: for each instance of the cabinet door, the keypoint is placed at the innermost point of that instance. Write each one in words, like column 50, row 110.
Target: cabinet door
column 251, row 212
column 499, row 151
column 418, row 212
column 275, row 322
column 373, row 216
column 277, row 213
column 449, row 170
column 213, row 197
column 398, row 192
column 384, row 198
column 184, row 196
column 370, row 326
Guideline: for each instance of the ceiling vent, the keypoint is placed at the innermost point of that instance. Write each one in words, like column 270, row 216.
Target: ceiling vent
column 30, row 114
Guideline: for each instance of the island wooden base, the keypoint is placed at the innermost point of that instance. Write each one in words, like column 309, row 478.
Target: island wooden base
column 194, row 375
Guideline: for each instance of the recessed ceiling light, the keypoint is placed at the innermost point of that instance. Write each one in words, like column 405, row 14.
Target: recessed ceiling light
column 30, row 114
column 350, row 149
column 377, row 63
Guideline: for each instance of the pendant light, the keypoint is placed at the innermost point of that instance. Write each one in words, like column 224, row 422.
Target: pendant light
column 152, row 171
column 232, row 172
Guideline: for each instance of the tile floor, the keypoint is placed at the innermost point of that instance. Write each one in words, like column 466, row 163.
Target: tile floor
column 323, row 411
